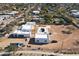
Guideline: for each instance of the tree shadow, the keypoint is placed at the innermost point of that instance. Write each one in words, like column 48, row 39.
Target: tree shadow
column 54, row 41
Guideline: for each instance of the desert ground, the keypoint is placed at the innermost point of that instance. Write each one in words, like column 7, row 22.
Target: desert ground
column 59, row 41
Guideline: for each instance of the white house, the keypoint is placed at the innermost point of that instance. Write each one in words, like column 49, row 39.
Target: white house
column 4, row 17
column 36, row 12
column 13, row 12
column 75, row 13
column 31, row 23
column 23, row 31
column 26, row 27
column 20, row 34
column 41, row 36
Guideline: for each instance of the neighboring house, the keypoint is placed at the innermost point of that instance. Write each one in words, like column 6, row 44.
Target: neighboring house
column 4, row 17
column 37, row 19
column 31, row 23
column 8, row 12
column 20, row 34
column 41, row 37
column 23, row 31
column 13, row 13
column 7, row 15
column 36, row 12
column 75, row 13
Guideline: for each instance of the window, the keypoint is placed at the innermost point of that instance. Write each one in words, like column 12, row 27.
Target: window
column 45, row 40
column 20, row 36
column 26, row 30
column 37, row 40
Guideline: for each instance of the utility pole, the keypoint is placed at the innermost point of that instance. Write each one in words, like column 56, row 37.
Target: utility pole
column 61, row 46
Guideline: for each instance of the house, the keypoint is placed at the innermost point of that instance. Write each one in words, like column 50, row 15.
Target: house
column 7, row 15
column 8, row 12
column 13, row 12
column 23, row 31
column 75, row 13
column 20, row 34
column 37, row 19
column 4, row 17
column 36, row 12
column 31, row 23
column 41, row 37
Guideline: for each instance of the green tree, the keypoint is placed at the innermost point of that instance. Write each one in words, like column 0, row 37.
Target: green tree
column 11, row 48
column 48, row 18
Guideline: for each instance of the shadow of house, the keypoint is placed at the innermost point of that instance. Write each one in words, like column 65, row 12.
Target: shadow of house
column 32, row 41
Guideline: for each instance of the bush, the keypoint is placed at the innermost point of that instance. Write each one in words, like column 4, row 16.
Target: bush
column 11, row 48
column 1, row 49
column 66, row 32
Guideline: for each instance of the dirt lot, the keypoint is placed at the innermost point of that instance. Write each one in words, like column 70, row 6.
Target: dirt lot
column 5, row 41
column 62, row 40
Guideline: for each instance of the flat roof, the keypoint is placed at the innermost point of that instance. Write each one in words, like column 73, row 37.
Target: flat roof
column 36, row 11
column 41, row 36
column 31, row 23
column 21, row 32
column 77, row 13
column 26, row 27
